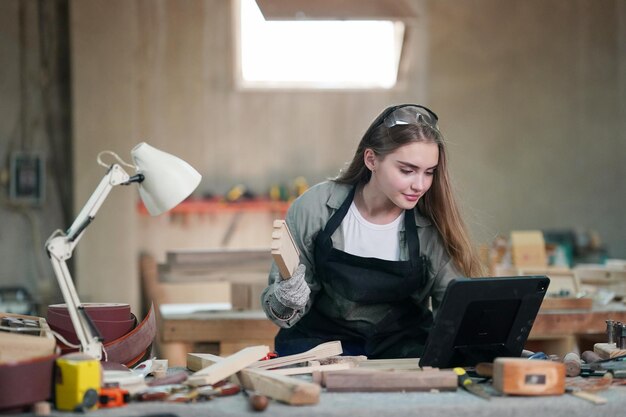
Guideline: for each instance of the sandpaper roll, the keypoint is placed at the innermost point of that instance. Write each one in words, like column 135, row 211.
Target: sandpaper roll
column 127, row 349
column 590, row 356
column 109, row 330
column 59, row 320
column 35, row 374
column 135, row 345
column 572, row 364
column 98, row 311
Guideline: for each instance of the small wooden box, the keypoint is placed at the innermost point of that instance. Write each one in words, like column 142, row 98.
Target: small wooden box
column 23, row 346
column 516, row 376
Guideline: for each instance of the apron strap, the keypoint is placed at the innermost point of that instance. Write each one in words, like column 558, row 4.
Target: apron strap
column 336, row 219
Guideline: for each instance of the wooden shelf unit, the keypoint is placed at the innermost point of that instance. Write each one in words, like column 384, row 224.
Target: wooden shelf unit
column 219, row 205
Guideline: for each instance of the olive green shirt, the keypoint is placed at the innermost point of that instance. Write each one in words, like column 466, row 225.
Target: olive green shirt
column 308, row 215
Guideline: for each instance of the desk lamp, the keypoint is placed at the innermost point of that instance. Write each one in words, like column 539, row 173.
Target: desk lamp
column 164, row 181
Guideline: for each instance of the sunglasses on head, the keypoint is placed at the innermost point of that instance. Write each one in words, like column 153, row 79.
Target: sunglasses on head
column 408, row 114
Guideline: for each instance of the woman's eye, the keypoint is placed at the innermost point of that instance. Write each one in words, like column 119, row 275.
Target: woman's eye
column 406, row 171
column 430, row 173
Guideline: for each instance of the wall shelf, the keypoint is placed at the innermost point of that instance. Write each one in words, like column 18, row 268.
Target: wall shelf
column 219, row 205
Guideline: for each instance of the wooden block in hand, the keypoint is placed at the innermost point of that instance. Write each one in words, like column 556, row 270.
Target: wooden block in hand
column 284, row 250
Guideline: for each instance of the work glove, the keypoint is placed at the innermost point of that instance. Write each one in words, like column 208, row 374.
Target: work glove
column 293, row 292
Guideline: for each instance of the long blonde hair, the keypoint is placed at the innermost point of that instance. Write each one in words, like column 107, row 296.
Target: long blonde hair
column 438, row 204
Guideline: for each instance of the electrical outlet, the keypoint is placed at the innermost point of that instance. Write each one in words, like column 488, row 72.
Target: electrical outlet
column 27, row 176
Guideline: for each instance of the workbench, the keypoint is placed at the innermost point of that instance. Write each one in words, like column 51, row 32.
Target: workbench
column 421, row 404
column 556, row 330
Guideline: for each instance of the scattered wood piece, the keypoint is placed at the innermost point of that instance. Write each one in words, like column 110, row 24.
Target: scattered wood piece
column 608, row 350
column 278, row 387
column 320, row 351
column 588, row 396
column 301, row 370
column 354, row 360
column 372, row 380
column 391, row 364
column 228, row 366
column 284, row 250
column 282, row 388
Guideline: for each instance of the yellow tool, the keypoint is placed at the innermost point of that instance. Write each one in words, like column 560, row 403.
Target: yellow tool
column 78, row 380
column 469, row 385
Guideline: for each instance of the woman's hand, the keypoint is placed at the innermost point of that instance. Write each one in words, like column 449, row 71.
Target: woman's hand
column 293, row 292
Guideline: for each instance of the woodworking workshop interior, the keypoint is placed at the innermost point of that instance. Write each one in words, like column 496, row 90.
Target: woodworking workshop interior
column 313, row 208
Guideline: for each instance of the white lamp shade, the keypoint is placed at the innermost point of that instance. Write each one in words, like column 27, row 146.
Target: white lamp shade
column 168, row 179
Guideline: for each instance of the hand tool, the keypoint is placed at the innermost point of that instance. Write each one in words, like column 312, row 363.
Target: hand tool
column 469, row 385
column 113, row 397
column 519, row 376
column 77, row 384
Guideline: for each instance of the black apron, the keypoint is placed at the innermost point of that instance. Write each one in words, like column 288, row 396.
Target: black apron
column 385, row 286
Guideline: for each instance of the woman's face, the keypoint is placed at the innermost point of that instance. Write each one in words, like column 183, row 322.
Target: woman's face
column 404, row 175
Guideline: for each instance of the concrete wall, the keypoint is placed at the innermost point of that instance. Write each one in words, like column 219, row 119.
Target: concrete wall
column 531, row 97
column 31, row 121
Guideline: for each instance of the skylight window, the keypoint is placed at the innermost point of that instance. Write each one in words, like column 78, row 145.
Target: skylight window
column 317, row 54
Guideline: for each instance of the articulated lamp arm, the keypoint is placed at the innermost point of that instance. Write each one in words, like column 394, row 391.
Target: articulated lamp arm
column 60, row 247
column 168, row 181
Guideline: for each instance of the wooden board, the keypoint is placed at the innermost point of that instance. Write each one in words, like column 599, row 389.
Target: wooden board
column 608, row 351
column 528, row 249
column 282, row 388
column 245, row 265
column 566, row 303
column 23, row 346
column 372, row 380
column 284, row 250
column 404, row 364
column 320, row 351
column 229, row 366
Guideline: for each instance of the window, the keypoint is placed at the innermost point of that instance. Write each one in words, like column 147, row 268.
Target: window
column 348, row 54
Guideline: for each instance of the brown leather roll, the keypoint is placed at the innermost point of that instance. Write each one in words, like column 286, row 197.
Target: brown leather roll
column 97, row 311
column 109, row 330
column 36, row 374
column 127, row 348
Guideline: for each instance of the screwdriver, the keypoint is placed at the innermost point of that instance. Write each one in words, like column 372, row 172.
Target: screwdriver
column 470, row 386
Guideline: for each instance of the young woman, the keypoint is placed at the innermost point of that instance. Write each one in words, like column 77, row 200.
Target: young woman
column 378, row 245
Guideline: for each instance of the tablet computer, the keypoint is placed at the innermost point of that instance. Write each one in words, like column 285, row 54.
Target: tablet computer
column 480, row 319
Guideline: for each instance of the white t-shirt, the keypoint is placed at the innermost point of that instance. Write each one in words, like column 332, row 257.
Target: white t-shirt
column 369, row 240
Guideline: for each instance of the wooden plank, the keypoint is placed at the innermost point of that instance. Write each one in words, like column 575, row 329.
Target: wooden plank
column 227, row 367
column 249, row 259
column 566, row 303
column 563, row 322
column 302, row 370
column 284, row 250
column 391, row 364
column 217, row 327
column 216, row 265
column 320, row 351
column 282, row 388
column 372, row 380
